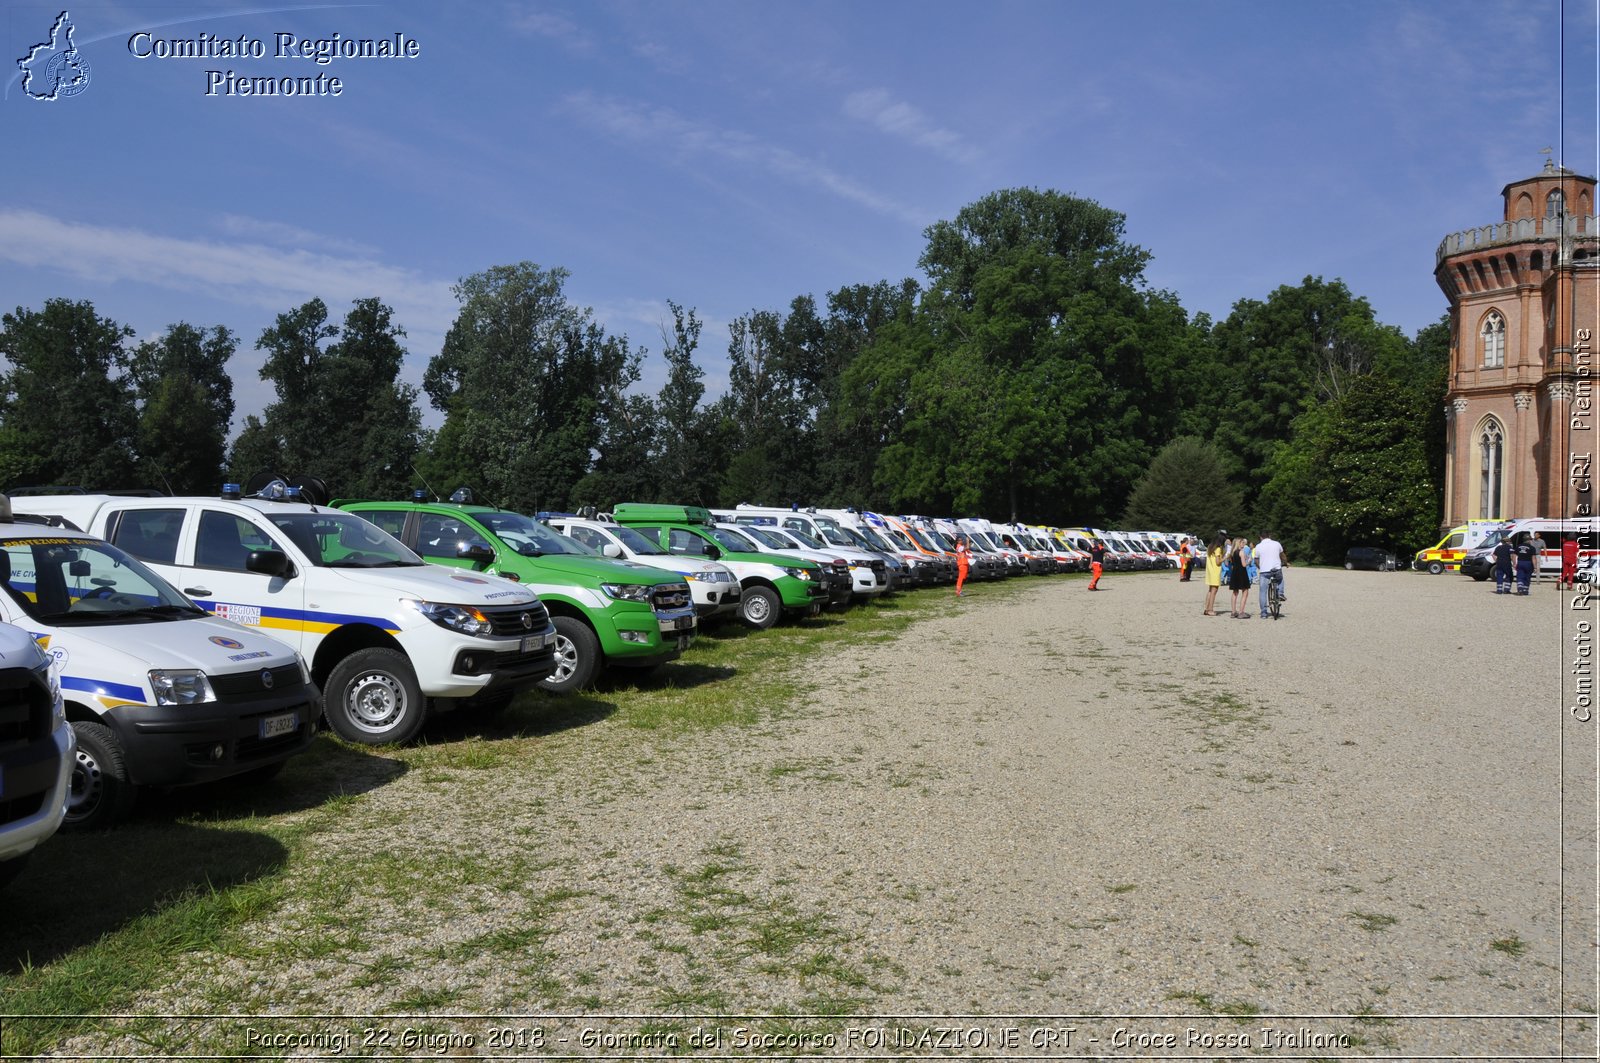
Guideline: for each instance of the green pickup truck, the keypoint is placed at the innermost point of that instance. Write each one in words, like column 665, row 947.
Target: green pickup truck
column 770, row 584
column 606, row 613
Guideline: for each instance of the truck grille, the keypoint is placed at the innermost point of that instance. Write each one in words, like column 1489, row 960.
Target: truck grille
column 670, row 596
column 880, row 570
column 24, row 708
column 518, row 619
column 247, row 686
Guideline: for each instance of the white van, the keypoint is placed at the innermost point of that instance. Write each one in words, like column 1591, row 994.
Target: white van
column 159, row 693
column 36, row 750
column 387, row 635
column 1479, row 561
column 869, row 573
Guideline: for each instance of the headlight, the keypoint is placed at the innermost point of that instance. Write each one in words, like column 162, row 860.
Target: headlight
column 49, row 680
column 463, row 618
column 627, row 592
column 180, row 686
column 799, row 573
column 305, row 669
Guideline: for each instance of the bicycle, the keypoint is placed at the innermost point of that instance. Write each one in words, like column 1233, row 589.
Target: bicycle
column 1274, row 592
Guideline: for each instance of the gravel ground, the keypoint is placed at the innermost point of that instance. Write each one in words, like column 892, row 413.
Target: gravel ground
column 1102, row 807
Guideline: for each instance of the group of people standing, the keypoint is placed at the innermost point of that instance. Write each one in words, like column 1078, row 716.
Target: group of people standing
column 1238, row 564
column 1514, row 563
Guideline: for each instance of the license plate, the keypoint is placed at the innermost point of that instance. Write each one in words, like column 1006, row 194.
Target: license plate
column 532, row 642
column 273, row 726
column 684, row 623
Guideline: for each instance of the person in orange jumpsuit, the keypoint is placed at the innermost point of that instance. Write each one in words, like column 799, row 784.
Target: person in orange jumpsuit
column 1097, row 560
column 961, row 563
column 1569, row 563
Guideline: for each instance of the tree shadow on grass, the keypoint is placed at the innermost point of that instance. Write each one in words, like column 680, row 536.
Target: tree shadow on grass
column 78, row 888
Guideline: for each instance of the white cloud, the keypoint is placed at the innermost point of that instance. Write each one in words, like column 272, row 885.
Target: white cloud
column 557, row 27
column 277, row 232
column 899, row 119
column 249, row 274
column 661, row 127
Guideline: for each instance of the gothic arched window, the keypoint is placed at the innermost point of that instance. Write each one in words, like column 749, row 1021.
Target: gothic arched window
column 1554, row 204
column 1491, row 468
column 1494, row 340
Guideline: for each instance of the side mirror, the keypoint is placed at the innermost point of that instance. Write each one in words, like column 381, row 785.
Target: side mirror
column 475, row 552
column 268, row 562
column 611, row 550
column 713, row 551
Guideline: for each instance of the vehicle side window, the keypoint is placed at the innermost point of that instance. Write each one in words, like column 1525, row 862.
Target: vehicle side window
column 589, row 537
column 442, row 536
column 1455, row 541
column 390, row 520
column 226, row 541
column 148, row 534
column 794, row 523
column 685, row 542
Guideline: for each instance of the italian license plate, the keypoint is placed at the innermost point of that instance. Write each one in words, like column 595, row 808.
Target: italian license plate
column 683, row 623
column 273, row 726
column 536, row 642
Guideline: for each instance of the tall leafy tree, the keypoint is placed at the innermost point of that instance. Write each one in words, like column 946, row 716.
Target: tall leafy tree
column 1277, row 358
column 522, row 381
column 66, row 405
column 1022, row 385
column 342, row 412
column 185, row 398
column 687, row 466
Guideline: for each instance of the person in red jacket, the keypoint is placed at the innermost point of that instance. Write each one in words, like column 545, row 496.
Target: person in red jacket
column 961, row 563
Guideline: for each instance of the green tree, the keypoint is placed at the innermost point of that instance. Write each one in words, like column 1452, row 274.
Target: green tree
column 342, row 412
column 1185, row 489
column 687, row 467
column 522, row 381
column 1278, row 358
column 185, row 398
column 66, row 406
column 1038, row 372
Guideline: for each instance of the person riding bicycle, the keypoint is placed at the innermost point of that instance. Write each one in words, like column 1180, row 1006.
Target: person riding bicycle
column 1270, row 561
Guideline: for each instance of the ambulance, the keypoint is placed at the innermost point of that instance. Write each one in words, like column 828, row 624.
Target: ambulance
column 1446, row 554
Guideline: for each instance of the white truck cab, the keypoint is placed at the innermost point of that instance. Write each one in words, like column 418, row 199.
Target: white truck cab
column 869, row 572
column 386, row 635
column 36, row 750
column 712, row 585
column 158, row 692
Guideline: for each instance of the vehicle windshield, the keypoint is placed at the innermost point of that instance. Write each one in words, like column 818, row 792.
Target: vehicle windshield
column 806, row 539
column 528, row 537
column 833, row 533
column 332, row 539
column 916, row 536
column 940, row 543
column 729, row 539
column 64, row 581
column 872, row 539
column 769, row 538
column 637, row 543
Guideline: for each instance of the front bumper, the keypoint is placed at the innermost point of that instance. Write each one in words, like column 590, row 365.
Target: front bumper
column 177, row 745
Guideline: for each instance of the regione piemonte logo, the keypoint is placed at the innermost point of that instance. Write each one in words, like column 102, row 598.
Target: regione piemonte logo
column 55, row 69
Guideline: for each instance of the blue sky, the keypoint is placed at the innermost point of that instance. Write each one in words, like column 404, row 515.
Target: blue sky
column 730, row 156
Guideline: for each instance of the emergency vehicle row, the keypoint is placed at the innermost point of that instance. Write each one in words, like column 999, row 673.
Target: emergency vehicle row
column 1469, row 548
column 174, row 641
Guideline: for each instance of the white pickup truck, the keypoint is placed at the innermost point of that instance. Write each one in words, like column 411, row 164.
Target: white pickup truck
column 386, row 634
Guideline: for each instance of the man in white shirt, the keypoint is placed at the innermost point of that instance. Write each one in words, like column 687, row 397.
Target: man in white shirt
column 1269, row 564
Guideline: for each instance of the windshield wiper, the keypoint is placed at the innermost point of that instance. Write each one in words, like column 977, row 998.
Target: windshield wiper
column 156, row 612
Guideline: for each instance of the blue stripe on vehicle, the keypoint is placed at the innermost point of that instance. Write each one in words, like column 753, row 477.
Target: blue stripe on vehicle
column 103, row 687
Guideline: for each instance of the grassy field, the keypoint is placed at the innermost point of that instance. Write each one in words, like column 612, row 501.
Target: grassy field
column 100, row 918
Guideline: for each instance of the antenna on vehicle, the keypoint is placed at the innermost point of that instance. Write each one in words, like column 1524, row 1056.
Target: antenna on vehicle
column 424, row 480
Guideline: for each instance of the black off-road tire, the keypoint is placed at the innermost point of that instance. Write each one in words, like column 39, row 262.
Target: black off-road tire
column 577, row 657
column 760, row 607
column 372, row 698
column 101, row 794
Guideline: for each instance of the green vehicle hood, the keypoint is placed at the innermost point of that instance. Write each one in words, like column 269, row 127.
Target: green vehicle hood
column 579, row 569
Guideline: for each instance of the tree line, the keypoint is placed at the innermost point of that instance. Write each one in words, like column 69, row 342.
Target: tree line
column 1032, row 374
